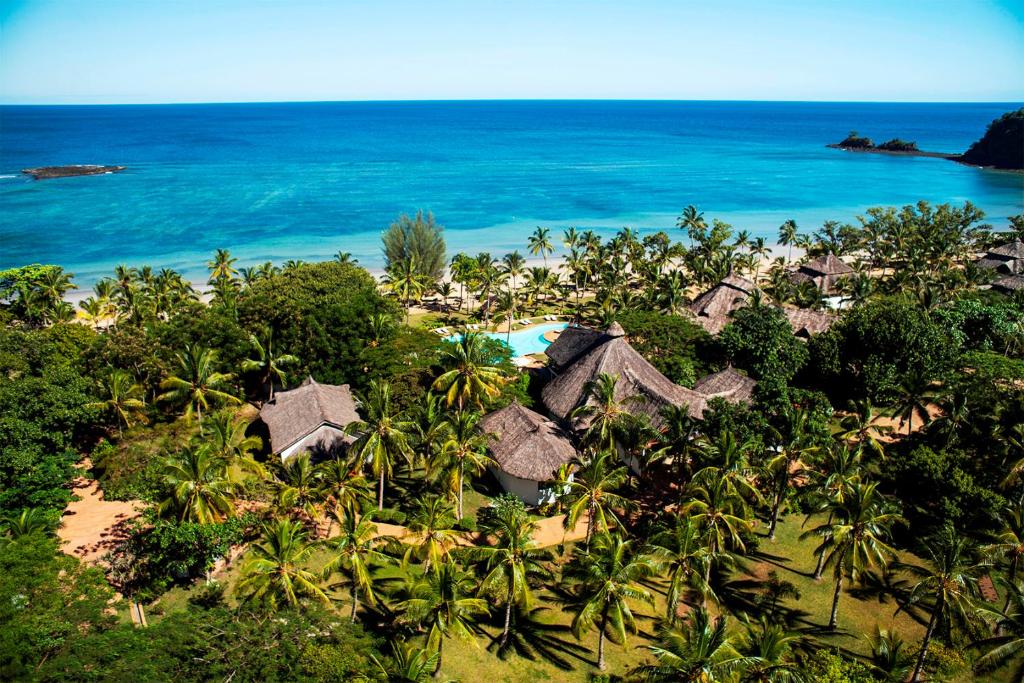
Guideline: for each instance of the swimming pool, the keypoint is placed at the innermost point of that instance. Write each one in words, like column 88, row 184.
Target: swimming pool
column 524, row 342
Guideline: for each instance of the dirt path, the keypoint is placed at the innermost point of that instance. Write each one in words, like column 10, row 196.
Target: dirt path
column 91, row 526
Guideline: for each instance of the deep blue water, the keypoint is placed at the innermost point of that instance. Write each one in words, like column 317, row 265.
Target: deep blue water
column 305, row 180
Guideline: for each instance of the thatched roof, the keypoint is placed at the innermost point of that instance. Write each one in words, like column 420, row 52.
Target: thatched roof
column 714, row 307
column 807, row 323
column 1014, row 249
column 1007, row 258
column 293, row 415
column 647, row 389
column 526, row 444
column 1009, row 285
column 572, row 343
column 823, row 271
column 729, row 384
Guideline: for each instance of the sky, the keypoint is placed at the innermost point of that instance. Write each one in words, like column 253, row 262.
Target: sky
column 154, row 51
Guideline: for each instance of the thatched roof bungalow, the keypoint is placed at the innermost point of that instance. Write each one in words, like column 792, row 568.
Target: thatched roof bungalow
column 713, row 309
column 312, row 417
column 824, row 271
column 528, row 449
column 1009, row 285
column 584, row 356
column 806, row 322
column 1007, row 259
column 733, row 386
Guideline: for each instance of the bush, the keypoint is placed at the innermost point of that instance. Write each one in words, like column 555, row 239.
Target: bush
column 670, row 343
column 760, row 340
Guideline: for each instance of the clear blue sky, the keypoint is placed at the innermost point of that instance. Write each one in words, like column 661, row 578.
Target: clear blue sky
column 85, row 51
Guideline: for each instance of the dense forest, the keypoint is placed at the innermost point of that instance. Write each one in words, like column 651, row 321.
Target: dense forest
column 860, row 518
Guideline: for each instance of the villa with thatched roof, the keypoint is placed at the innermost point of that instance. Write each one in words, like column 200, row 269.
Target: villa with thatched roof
column 1009, row 285
column 713, row 308
column 824, row 271
column 312, row 417
column 528, row 449
column 729, row 384
column 584, row 355
column 1007, row 259
column 806, row 322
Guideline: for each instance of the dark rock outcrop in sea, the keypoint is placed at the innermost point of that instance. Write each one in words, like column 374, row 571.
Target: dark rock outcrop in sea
column 46, row 172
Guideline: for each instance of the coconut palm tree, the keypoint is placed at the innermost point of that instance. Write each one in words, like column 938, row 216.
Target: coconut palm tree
column 1007, row 645
column 122, row 398
column 792, row 449
column 274, row 572
column 343, row 486
column 407, row 282
column 228, row 441
column 679, row 550
column 915, row 394
column 382, row 436
column 506, row 309
column 354, row 554
column 540, row 243
column 890, row 661
column 859, row 428
column 432, row 525
column 1007, row 546
column 606, row 417
column 268, row 363
column 222, row 266
column 407, row 664
column 197, row 383
column 469, row 377
column 606, row 579
column 767, row 652
column 512, row 559
column 463, row 452
column 699, row 652
column 442, row 602
column 692, row 221
column 592, row 492
column 298, row 486
column 949, row 579
column 200, row 488
column 855, row 538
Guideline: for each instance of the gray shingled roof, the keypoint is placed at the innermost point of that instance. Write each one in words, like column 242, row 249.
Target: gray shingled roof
column 526, row 444
column 714, row 307
column 293, row 415
column 1014, row 249
column 729, row 384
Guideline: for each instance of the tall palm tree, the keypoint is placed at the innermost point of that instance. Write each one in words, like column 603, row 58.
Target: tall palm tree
column 222, row 266
column 506, row 309
column 607, row 579
column 606, row 417
column 592, row 492
column 343, row 486
column 354, row 553
column 1007, row 645
column 915, row 393
column 859, row 428
column 540, row 243
column 512, row 559
column 407, row 282
column 949, row 579
column 197, row 383
column 299, row 487
column 855, row 538
column 122, row 398
column 795, row 446
column 432, row 525
column 200, row 488
column 463, row 452
column 468, row 379
column 268, row 363
column 442, row 602
column 382, row 436
column 679, row 549
column 228, row 441
column 274, row 572
column 513, row 265
column 767, row 651
column 788, row 237
column 699, row 652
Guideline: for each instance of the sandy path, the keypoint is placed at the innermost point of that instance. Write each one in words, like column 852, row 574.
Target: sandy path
column 91, row 526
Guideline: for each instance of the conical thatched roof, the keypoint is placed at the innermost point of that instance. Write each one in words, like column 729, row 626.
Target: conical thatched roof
column 293, row 415
column 714, row 307
column 1007, row 258
column 1009, row 285
column 807, row 323
column 823, row 271
column 526, row 444
column 647, row 389
column 729, row 384
column 1014, row 249
column 572, row 343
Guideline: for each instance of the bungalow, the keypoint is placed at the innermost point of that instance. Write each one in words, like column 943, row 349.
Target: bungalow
column 527, row 449
column 1007, row 259
column 824, row 272
column 312, row 417
column 1009, row 285
column 806, row 322
column 713, row 309
column 733, row 386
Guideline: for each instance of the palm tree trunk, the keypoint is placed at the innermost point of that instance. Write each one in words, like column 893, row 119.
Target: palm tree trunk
column 779, row 495
column 440, row 647
column 821, row 566
column 508, row 611
column 600, row 642
column 707, row 585
column 916, row 676
column 380, row 491
column 833, row 619
column 355, row 600
column 590, row 522
column 460, row 491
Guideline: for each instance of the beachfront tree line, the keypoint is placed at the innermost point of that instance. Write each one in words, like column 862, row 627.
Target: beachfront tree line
column 155, row 396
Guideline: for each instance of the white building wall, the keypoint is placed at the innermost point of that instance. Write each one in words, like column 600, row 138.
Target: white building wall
column 527, row 490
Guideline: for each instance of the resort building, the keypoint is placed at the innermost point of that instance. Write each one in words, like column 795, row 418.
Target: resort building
column 528, row 449
column 729, row 384
column 312, row 417
column 713, row 309
column 806, row 322
column 1009, row 285
column 824, row 271
column 1007, row 259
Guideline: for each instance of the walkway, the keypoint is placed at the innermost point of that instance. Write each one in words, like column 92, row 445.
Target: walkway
column 91, row 526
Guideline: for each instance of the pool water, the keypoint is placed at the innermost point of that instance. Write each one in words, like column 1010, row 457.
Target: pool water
column 524, row 342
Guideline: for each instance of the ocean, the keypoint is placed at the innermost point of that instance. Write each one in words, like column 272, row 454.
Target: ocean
column 306, row 180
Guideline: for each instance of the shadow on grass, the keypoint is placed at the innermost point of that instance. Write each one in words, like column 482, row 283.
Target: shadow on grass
column 532, row 638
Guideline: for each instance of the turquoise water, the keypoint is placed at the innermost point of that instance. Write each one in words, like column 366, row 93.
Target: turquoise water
column 305, row 180
column 525, row 342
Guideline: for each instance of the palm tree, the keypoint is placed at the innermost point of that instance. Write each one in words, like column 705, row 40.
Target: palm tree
column 512, row 559
column 693, row 222
column 222, row 266
column 506, row 309
column 890, row 660
column 1007, row 546
column 1007, row 645
column 788, row 237
column 432, row 526
column 859, row 428
column 343, row 486
column 678, row 548
column 441, row 601
column 605, row 416
column 298, row 486
column 796, row 446
column 607, row 579
column 915, row 393
column 949, row 579
column 354, row 553
column 197, row 382
column 854, row 539
column 266, row 362
column 28, row 522
column 699, row 652
column 228, row 441
column 200, row 488
column 122, row 398
column 383, row 435
column 406, row 281
column 540, row 243
column 274, row 571
column 469, row 377
column 591, row 491
column 766, row 649
column 407, row 664
column 463, row 452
